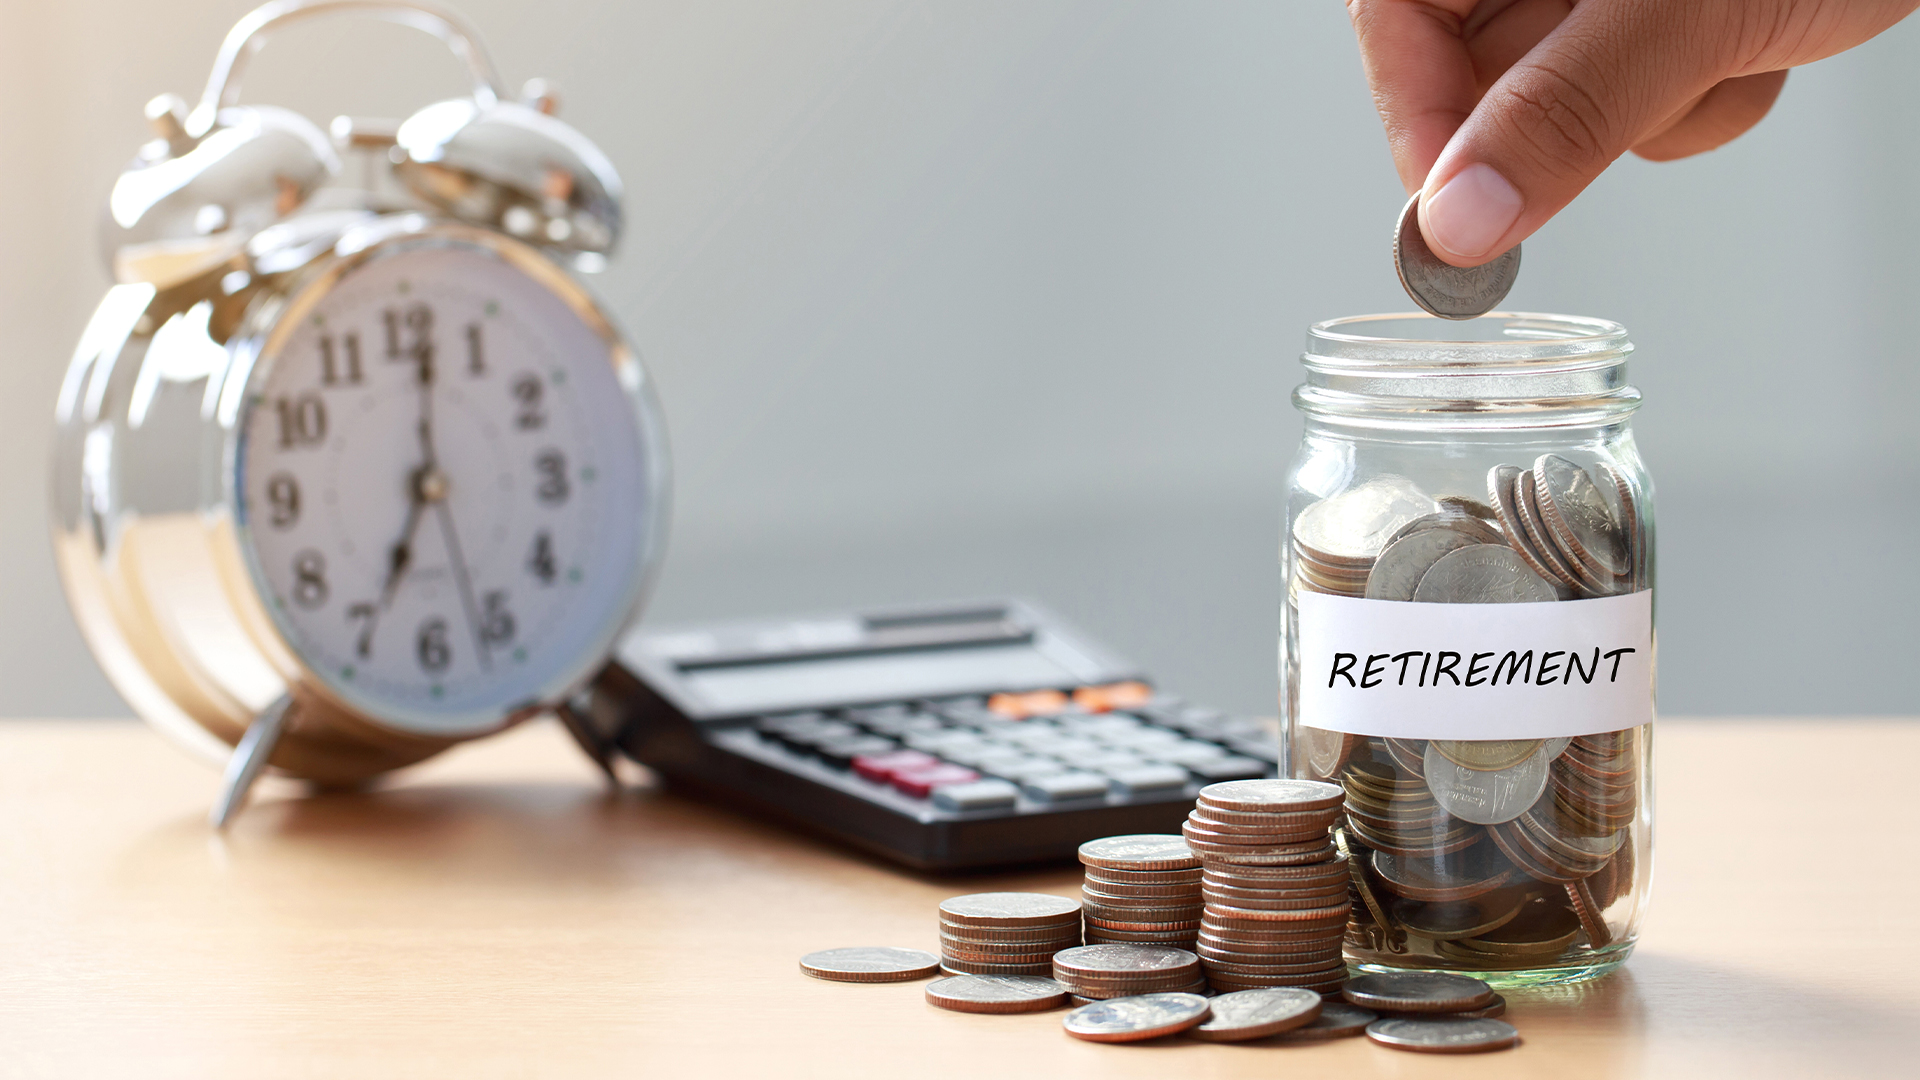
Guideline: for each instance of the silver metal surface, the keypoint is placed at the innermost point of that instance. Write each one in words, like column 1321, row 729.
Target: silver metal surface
column 1449, row 291
column 249, row 761
column 1482, row 574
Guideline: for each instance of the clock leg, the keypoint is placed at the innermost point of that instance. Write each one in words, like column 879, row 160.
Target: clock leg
column 248, row 759
column 580, row 726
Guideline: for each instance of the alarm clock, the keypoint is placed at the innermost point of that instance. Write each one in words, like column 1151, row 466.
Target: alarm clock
column 349, row 466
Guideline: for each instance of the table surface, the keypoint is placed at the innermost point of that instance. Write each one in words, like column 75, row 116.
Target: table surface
column 496, row 912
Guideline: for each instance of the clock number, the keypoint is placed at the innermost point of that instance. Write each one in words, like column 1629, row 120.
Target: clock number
column 332, row 372
column 309, row 579
column 410, row 337
column 552, row 467
column 283, row 494
column 476, row 356
column 431, row 647
column 496, row 622
column 541, row 561
column 528, row 391
column 367, row 615
column 303, row 420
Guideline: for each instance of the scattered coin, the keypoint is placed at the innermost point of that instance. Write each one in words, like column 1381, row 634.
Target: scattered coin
column 1256, row 1014
column 1443, row 1035
column 1131, row 1019
column 1337, row 1020
column 996, row 993
column 1442, row 289
column 1417, row 991
column 870, row 964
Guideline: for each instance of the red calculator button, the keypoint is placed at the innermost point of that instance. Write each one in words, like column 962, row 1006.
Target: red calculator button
column 920, row 783
column 882, row 767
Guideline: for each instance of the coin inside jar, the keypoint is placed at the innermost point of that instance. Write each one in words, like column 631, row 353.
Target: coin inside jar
column 1451, row 292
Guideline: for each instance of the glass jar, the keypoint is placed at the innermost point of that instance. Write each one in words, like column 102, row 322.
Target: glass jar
column 1467, row 646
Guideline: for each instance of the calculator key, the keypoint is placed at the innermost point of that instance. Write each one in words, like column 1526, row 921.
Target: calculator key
column 881, row 767
column 1190, row 752
column 1026, row 769
column 785, row 720
column 1069, row 749
column 1032, row 736
column 1144, row 739
column 1266, row 750
column 979, row 795
column 1036, row 703
column 880, row 713
column 941, row 741
column 1230, row 768
column 1121, row 695
column 1066, row 786
column 840, row 752
column 1146, row 778
column 1107, row 761
column 920, row 783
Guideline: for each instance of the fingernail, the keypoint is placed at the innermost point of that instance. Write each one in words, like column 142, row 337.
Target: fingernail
column 1471, row 212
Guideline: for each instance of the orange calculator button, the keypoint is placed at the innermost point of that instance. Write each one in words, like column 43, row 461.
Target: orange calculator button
column 1120, row 695
column 1033, row 703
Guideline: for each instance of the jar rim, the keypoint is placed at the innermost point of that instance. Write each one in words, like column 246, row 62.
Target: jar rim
column 1500, row 339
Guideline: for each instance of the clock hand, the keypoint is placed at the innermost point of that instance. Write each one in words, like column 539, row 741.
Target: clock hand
column 427, row 485
column 463, row 580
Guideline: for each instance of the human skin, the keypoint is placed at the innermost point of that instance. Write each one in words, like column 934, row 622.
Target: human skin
column 1500, row 112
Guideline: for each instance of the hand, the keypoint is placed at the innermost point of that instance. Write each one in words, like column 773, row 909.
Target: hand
column 1499, row 112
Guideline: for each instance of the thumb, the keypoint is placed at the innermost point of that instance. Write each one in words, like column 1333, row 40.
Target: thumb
column 1594, row 86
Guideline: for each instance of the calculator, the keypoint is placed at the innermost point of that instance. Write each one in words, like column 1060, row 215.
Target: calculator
column 945, row 737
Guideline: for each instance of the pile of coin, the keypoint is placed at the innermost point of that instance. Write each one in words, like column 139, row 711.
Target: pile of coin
column 1141, row 890
column 1006, row 933
column 1273, row 886
column 1432, row 1012
column 1570, row 529
column 1099, row 972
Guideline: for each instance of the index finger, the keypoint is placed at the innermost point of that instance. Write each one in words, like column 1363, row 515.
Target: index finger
column 1416, row 60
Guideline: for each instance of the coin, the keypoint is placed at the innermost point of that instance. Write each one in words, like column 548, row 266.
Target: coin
column 1272, row 796
column 1337, row 1020
column 1486, row 755
column 1417, row 991
column 1050, row 932
column 1577, row 510
column 1106, row 890
column 1496, row 1007
column 1007, row 909
column 996, row 993
column 1482, row 574
column 1401, row 565
column 1256, row 1014
column 1469, row 507
column 1486, row 798
column 1326, row 751
column 1503, row 484
column 1443, row 1035
column 1141, row 851
column 1354, row 525
column 1123, row 958
column 1440, row 288
column 1130, row 1019
column 1143, row 877
column 972, row 967
column 869, row 964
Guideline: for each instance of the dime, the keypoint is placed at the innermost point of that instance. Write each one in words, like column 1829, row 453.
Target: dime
column 1442, row 289
column 869, row 964
column 1482, row 574
column 1256, row 1014
column 1577, row 510
column 1337, row 1020
column 1486, row 798
column 1417, row 991
column 1130, row 1019
column 1007, row 909
column 1398, row 570
column 1143, row 851
column 1353, row 526
column 1272, row 795
column 1443, row 1035
column 995, row 993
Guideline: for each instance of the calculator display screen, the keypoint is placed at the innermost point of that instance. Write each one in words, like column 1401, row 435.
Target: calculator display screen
column 760, row 687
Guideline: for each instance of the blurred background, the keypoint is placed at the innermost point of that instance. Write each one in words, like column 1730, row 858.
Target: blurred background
column 959, row 298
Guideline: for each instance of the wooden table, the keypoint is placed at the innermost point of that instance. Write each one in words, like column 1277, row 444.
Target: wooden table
column 497, row 913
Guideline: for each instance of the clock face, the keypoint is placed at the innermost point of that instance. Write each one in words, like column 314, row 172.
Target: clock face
column 444, row 489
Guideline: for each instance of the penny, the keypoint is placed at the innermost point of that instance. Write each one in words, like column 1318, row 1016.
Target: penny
column 1256, row 1014
column 1482, row 574
column 869, row 964
column 996, row 993
column 1337, row 1020
column 1353, row 526
column 1443, row 1035
column 1417, row 991
column 1007, row 909
column 1272, row 795
column 1144, row 851
column 1577, row 509
column 1401, row 565
column 1131, row 1019
column 1440, row 288
column 1486, row 798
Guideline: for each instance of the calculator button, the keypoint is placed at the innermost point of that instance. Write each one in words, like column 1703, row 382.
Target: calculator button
column 979, row 795
column 1062, row 787
column 1145, row 778
column 1025, row 769
column 1107, row 761
column 1070, row 749
column 1230, row 768
column 1036, row 703
column 920, row 783
column 881, row 767
column 1144, row 739
column 1030, row 737
column 879, row 713
column 840, row 752
column 1265, row 749
column 1122, row 695
column 941, row 741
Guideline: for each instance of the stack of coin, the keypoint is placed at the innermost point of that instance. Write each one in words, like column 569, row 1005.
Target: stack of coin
column 1573, row 531
column 1275, row 889
column 1006, row 933
column 1142, row 890
column 1098, row 972
column 1336, row 540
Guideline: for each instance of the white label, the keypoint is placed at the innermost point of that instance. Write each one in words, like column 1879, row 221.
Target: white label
column 1476, row 671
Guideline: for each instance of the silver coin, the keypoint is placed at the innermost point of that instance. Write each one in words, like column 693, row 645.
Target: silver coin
column 1503, row 489
column 869, row 964
column 1141, row 851
column 1130, row 1019
column 1452, row 517
column 1578, row 510
column 1337, row 1020
column 995, row 993
column 1354, row 525
column 1483, row 574
column 1448, row 291
column 1486, row 798
column 1256, row 1014
column 1443, row 1035
column 1401, row 565
column 1111, row 959
column 1007, row 909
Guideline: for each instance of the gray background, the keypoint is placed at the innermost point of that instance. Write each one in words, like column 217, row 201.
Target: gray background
column 972, row 297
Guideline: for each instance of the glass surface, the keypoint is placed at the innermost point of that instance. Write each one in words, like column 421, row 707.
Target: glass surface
column 1486, row 462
